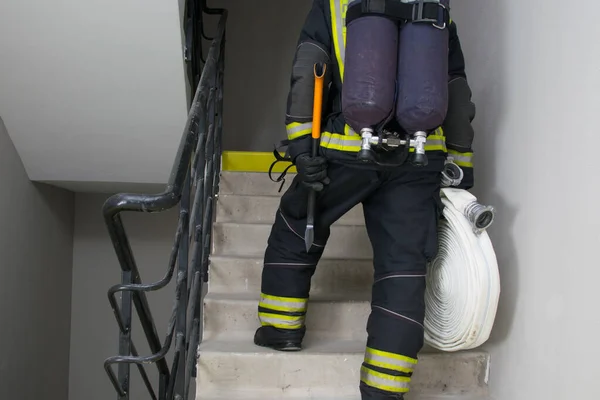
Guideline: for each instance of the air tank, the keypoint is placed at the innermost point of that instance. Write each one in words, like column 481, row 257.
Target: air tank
column 370, row 70
column 422, row 76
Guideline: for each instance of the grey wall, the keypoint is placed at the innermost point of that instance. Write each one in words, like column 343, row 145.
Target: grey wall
column 261, row 41
column 94, row 332
column 536, row 84
column 36, row 237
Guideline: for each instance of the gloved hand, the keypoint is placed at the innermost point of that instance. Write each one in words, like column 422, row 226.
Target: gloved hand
column 312, row 171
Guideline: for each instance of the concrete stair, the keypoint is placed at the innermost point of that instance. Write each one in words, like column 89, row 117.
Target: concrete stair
column 232, row 367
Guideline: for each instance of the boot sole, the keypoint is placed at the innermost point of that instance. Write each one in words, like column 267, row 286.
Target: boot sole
column 287, row 347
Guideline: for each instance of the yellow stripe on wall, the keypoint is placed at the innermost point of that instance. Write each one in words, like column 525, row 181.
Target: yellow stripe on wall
column 252, row 161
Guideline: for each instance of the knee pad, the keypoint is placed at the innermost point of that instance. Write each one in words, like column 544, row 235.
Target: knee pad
column 398, row 313
column 402, row 294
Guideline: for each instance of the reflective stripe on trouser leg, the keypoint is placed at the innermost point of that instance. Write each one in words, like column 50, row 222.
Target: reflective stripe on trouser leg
column 384, row 381
column 387, row 372
column 390, row 361
column 282, row 312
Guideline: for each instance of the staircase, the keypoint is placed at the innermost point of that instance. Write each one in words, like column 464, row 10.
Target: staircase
column 230, row 366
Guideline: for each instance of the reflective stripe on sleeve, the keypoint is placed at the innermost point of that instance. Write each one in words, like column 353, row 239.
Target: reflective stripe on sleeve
column 461, row 159
column 298, row 129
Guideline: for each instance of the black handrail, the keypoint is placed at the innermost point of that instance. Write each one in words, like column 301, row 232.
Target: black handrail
column 193, row 184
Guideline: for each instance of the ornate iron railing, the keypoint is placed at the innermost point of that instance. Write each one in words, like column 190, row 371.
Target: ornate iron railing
column 193, row 186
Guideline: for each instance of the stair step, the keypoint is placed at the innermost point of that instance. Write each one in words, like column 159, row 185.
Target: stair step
column 233, row 239
column 234, row 316
column 333, row 276
column 230, row 366
column 262, row 209
column 324, row 369
column 252, row 184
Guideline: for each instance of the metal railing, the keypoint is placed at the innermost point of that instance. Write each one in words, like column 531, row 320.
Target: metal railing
column 193, row 186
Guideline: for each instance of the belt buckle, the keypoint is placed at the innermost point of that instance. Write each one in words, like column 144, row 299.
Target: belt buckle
column 419, row 9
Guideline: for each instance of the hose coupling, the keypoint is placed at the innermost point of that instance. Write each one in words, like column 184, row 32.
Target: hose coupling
column 452, row 174
column 481, row 217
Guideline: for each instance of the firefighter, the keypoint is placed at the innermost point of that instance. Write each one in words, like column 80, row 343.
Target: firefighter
column 401, row 208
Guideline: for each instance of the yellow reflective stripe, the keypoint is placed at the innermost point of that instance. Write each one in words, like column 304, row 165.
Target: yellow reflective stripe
column 352, row 143
column 386, row 382
column 281, row 321
column 434, row 143
column 336, row 141
column 462, row 159
column 394, row 362
column 348, row 131
column 288, row 304
column 280, row 298
column 395, row 356
column 297, row 129
column 338, row 13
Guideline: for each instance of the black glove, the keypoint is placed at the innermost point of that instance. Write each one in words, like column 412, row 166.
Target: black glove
column 312, row 171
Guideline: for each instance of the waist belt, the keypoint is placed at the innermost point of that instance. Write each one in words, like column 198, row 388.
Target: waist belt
column 419, row 11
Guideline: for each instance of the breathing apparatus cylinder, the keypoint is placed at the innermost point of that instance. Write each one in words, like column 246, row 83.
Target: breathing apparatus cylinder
column 396, row 69
column 422, row 75
column 369, row 71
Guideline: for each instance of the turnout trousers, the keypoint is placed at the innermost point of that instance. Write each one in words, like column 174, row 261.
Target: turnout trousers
column 402, row 207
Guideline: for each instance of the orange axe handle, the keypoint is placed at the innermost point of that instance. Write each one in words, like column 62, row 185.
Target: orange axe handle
column 319, row 71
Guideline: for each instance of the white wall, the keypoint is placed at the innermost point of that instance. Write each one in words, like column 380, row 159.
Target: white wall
column 93, row 90
column 535, row 70
column 36, row 239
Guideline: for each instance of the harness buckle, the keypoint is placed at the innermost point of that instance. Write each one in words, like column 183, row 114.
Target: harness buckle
column 419, row 14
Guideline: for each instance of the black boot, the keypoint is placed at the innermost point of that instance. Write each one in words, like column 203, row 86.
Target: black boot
column 280, row 339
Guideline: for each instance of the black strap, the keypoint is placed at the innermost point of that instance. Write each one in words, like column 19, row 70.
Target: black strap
column 419, row 11
column 280, row 158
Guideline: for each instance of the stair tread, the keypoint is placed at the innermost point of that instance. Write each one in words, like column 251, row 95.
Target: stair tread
column 234, row 316
column 311, row 346
column 251, row 239
column 261, row 208
column 252, row 183
column 324, row 369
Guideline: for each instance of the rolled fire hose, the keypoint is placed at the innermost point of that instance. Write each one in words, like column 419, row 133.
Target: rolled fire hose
column 463, row 282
